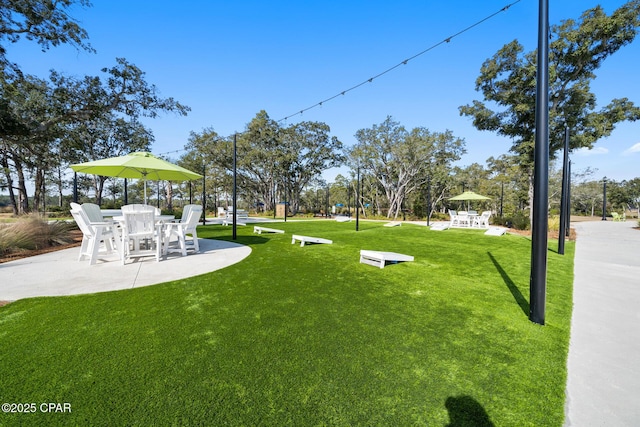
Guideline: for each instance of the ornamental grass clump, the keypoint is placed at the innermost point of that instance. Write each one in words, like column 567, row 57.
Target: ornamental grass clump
column 33, row 233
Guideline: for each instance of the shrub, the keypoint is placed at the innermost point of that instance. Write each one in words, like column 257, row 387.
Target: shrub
column 519, row 221
column 554, row 223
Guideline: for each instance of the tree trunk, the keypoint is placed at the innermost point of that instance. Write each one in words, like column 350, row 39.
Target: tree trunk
column 60, row 186
column 7, row 174
column 22, row 189
column 169, row 195
column 39, row 186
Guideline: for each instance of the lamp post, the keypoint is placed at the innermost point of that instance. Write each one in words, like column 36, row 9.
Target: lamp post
column 357, row 201
column 428, row 199
column 540, row 220
column 604, row 198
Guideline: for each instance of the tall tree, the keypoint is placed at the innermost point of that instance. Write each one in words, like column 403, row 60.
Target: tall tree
column 576, row 51
column 400, row 160
column 308, row 151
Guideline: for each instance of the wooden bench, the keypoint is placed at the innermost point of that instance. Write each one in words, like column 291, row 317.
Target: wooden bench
column 380, row 259
column 259, row 230
column 308, row 239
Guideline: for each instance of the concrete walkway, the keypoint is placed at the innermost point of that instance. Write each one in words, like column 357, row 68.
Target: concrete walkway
column 59, row 273
column 603, row 385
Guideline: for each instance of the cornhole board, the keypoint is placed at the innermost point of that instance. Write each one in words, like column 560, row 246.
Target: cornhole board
column 230, row 222
column 495, row 231
column 380, row 259
column 343, row 218
column 259, row 230
column 440, row 226
column 309, row 239
column 393, row 224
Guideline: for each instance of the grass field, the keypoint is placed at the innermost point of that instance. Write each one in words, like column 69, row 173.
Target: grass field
column 305, row 336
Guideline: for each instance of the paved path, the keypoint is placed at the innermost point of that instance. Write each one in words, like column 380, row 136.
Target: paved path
column 603, row 386
column 60, row 273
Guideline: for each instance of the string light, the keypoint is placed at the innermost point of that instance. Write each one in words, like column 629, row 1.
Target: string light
column 404, row 62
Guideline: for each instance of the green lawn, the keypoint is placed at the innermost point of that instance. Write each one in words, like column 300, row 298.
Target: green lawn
column 306, row 337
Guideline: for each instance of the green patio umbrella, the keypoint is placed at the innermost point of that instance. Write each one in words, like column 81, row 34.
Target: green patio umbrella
column 469, row 195
column 140, row 165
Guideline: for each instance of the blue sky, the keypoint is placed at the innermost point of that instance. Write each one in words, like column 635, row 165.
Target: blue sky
column 229, row 60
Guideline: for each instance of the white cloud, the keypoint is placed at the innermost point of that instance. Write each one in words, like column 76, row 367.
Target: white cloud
column 635, row 148
column 594, row 151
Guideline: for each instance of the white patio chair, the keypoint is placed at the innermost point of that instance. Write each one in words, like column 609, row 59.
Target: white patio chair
column 93, row 235
column 222, row 214
column 453, row 217
column 463, row 219
column 186, row 226
column 138, row 226
column 482, row 221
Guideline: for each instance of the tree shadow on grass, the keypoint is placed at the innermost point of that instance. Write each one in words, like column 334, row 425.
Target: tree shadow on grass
column 465, row 411
column 517, row 295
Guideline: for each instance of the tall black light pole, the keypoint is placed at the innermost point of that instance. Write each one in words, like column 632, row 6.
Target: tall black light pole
column 604, row 198
column 568, row 222
column 204, row 200
column 126, row 192
column 428, row 199
column 357, row 201
column 564, row 198
column 234, row 193
column 349, row 199
column 326, row 208
column 501, row 196
column 75, row 187
column 538, row 282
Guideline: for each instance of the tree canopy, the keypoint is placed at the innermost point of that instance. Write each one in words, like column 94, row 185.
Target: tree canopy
column 576, row 50
column 47, row 23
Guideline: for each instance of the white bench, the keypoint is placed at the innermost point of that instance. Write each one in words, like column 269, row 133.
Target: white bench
column 230, row 222
column 308, row 239
column 379, row 259
column 259, row 230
